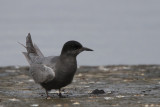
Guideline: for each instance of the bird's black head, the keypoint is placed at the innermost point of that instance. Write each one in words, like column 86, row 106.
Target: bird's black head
column 73, row 48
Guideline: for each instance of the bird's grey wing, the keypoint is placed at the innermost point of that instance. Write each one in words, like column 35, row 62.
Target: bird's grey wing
column 41, row 73
column 38, row 51
column 50, row 60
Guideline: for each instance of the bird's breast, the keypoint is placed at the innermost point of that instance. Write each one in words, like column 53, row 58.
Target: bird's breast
column 65, row 73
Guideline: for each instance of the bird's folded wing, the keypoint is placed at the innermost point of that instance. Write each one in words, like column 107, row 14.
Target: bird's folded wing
column 41, row 73
column 38, row 51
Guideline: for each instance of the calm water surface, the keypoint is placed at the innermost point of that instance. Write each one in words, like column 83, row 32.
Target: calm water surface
column 120, row 32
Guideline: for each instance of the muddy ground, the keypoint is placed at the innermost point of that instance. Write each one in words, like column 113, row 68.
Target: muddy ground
column 124, row 86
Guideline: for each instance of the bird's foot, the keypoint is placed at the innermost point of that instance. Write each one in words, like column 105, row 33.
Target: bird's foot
column 48, row 97
column 61, row 96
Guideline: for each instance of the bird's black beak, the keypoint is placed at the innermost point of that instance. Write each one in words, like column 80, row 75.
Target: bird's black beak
column 86, row 49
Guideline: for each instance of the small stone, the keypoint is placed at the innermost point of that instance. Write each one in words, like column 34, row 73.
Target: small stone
column 48, row 98
column 108, row 98
column 14, row 99
column 79, row 75
column 120, row 96
column 86, row 86
column 139, row 95
column 102, row 68
column 34, row 105
column 31, row 80
column 76, row 103
column 146, row 105
column 58, row 105
column 109, row 92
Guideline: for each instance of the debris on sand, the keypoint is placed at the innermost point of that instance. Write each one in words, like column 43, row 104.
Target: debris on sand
column 97, row 91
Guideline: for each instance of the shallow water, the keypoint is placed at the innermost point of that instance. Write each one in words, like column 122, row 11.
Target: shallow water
column 119, row 31
column 123, row 85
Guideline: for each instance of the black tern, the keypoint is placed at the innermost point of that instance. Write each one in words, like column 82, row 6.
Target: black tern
column 53, row 72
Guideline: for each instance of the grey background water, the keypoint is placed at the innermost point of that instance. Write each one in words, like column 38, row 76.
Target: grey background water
column 120, row 31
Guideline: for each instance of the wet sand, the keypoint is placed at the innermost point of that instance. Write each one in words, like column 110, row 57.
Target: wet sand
column 129, row 86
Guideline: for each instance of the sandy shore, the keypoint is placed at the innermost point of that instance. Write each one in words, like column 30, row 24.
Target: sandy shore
column 134, row 86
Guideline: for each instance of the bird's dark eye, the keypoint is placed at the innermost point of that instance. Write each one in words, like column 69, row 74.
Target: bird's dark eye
column 76, row 47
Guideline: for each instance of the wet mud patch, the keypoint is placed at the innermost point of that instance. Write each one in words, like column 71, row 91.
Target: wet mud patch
column 121, row 86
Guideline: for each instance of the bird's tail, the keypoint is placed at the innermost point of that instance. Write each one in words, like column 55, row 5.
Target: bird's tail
column 29, row 45
column 33, row 52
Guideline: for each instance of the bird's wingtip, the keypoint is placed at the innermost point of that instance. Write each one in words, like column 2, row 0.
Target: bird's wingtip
column 29, row 35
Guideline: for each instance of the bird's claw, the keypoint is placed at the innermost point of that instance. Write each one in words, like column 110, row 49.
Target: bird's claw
column 48, row 97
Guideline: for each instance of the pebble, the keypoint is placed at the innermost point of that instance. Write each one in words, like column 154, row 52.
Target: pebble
column 108, row 98
column 34, row 105
column 76, row 103
column 14, row 99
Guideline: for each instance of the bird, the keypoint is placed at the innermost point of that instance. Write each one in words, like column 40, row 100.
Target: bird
column 53, row 72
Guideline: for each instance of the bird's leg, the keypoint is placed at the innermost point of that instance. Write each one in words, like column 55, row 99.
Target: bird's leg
column 60, row 95
column 48, row 97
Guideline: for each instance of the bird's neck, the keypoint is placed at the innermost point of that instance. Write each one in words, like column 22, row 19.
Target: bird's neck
column 68, row 64
column 68, row 60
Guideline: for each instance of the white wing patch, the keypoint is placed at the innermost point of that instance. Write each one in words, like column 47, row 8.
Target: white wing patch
column 42, row 73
